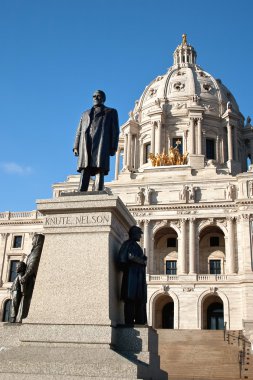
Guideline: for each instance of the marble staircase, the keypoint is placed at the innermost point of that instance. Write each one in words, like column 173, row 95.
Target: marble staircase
column 203, row 355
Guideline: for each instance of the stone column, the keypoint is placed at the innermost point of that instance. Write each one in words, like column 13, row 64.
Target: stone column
column 182, row 252
column 133, row 150
column 230, row 142
column 3, row 245
column 218, row 149
column 146, row 237
column 245, row 238
column 204, row 141
column 159, row 136
column 185, row 56
column 129, row 153
column 185, row 145
column 117, row 164
column 125, row 150
column 192, row 137
column 235, row 144
column 192, row 248
column 230, row 254
column 199, row 136
column 251, row 149
column 152, row 148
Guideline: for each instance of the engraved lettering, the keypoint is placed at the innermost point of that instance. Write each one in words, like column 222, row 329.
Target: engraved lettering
column 78, row 220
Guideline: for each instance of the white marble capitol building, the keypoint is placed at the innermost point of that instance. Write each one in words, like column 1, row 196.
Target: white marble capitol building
column 195, row 209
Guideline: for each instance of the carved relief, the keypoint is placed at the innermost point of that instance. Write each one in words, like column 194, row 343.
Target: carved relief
column 149, row 195
column 213, row 289
column 188, row 289
column 187, row 194
column 195, row 99
column 250, row 189
column 178, row 105
column 140, row 196
column 178, row 86
column 165, row 288
column 207, row 86
column 203, row 75
column 152, row 92
column 208, row 107
column 230, row 192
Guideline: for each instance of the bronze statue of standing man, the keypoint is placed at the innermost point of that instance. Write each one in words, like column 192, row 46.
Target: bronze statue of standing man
column 132, row 261
column 96, row 140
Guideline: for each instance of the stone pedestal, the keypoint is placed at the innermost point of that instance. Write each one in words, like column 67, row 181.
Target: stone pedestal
column 196, row 161
column 76, row 295
column 72, row 330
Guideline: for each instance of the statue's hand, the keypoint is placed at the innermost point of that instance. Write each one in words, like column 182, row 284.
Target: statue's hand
column 23, row 280
column 75, row 151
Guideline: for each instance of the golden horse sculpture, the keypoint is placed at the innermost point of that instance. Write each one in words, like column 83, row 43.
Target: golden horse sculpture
column 172, row 158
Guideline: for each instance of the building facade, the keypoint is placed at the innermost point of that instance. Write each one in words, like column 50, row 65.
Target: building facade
column 187, row 179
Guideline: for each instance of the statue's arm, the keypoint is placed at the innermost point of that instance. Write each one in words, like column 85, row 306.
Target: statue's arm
column 138, row 260
column 77, row 138
column 115, row 132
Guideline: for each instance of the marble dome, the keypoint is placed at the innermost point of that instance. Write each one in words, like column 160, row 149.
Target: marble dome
column 186, row 106
column 183, row 82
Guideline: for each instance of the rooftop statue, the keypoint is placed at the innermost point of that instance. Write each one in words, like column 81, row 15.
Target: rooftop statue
column 174, row 157
column 96, row 140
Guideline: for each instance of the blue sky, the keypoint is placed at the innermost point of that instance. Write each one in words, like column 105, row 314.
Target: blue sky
column 55, row 53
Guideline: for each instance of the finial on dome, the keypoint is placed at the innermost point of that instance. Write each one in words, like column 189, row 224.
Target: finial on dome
column 184, row 54
column 184, row 40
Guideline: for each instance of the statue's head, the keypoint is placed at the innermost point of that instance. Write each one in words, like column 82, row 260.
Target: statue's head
column 99, row 98
column 38, row 239
column 21, row 267
column 135, row 233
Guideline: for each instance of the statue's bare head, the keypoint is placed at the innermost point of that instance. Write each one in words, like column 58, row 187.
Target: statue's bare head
column 135, row 233
column 38, row 239
column 21, row 267
column 99, row 98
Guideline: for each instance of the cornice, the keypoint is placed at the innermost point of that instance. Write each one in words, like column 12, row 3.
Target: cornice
column 20, row 222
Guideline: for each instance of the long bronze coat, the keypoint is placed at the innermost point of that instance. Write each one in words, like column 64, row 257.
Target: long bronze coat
column 133, row 264
column 104, row 141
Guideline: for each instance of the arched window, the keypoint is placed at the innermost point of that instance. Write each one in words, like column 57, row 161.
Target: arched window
column 6, row 313
column 147, row 148
column 210, row 149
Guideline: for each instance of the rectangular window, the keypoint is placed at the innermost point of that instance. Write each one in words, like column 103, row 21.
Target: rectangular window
column 17, row 241
column 171, row 267
column 13, row 270
column 171, row 242
column 214, row 241
column 210, row 149
column 215, row 266
column 178, row 141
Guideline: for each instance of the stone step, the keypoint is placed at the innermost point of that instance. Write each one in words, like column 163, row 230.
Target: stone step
column 9, row 334
column 199, row 355
column 63, row 361
column 17, row 376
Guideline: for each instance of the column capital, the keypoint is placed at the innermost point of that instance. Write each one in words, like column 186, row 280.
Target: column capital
column 4, row 235
column 230, row 218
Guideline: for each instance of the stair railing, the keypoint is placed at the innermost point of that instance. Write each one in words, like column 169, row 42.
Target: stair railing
column 225, row 330
column 242, row 342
